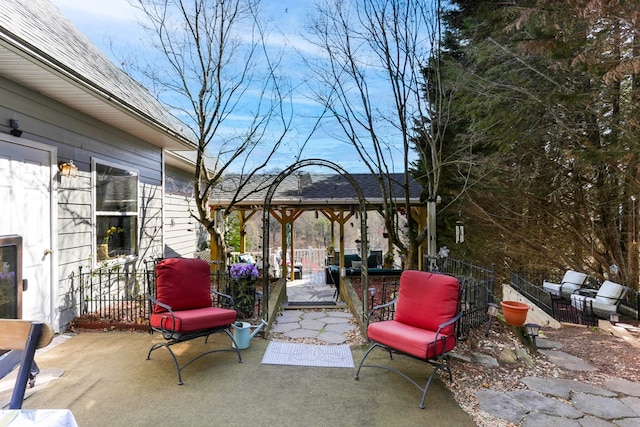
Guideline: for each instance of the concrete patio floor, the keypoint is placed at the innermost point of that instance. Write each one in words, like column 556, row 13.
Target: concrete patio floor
column 107, row 381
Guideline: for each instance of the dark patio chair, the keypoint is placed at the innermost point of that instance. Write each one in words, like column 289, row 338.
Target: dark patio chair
column 427, row 309
column 182, row 307
column 26, row 337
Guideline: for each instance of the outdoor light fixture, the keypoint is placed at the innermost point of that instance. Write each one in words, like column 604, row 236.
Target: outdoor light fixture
column 614, row 318
column 372, row 292
column 532, row 331
column 14, row 125
column 492, row 311
column 68, row 169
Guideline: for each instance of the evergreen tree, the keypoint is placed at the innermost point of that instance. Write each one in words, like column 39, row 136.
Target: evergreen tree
column 547, row 97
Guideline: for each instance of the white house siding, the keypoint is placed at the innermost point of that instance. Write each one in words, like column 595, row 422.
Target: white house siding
column 80, row 138
column 182, row 232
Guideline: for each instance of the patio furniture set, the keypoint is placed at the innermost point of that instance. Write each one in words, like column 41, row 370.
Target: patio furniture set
column 427, row 309
column 590, row 303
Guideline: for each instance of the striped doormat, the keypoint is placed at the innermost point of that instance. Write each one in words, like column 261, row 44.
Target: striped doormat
column 295, row 354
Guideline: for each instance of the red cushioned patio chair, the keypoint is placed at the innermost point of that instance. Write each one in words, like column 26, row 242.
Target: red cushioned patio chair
column 182, row 308
column 427, row 309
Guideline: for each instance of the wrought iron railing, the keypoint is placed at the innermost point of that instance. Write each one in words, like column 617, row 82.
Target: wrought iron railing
column 477, row 290
column 115, row 293
column 118, row 294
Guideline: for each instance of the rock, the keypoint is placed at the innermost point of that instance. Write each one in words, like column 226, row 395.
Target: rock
column 508, row 356
column 485, row 360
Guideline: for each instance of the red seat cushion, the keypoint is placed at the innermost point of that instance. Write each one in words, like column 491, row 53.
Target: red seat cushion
column 194, row 320
column 410, row 339
column 426, row 300
column 183, row 284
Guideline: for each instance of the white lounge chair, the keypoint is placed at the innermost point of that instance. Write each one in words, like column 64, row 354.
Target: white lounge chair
column 603, row 303
column 571, row 282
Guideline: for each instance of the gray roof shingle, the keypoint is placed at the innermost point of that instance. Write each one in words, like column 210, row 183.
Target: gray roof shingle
column 39, row 29
column 310, row 189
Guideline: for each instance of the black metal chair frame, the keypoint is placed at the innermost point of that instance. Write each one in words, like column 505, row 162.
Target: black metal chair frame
column 173, row 337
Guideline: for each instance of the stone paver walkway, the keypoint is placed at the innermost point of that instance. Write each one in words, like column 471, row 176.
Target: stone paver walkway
column 328, row 325
column 558, row 402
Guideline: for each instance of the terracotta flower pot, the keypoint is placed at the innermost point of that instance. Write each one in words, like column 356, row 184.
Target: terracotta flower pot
column 515, row 313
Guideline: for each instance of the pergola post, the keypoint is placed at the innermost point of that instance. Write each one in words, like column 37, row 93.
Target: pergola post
column 286, row 217
column 421, row 218
column 243, row 217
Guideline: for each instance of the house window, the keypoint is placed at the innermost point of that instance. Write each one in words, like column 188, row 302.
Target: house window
column 116, row 202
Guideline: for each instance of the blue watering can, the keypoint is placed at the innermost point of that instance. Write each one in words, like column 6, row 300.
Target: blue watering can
column 242, row 333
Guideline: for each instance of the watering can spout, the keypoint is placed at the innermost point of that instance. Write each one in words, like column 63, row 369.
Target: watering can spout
column 258, row 328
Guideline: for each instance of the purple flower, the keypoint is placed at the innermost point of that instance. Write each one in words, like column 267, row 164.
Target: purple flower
column 9, row 275
column 243, row 271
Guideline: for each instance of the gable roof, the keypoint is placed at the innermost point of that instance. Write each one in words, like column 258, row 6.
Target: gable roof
column 311, row 191
column 42, row 50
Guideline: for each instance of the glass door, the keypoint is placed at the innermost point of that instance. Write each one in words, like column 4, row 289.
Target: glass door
column 10, row 277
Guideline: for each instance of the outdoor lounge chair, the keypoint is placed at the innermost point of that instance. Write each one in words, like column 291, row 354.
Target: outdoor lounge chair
column 602, row 302
column 571, row 282
column 24, row 336
column 182, row 307
column 427, row 309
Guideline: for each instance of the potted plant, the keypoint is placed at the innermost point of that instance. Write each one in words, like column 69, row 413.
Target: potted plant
column 243, row 288
column 103, row 248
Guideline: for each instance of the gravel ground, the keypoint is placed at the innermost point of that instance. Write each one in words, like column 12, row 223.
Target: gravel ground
column 611, row 355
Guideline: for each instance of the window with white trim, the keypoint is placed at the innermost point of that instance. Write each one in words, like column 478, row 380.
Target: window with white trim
column 116, row 210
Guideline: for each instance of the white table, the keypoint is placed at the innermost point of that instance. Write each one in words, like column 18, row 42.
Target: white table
column 37, row 417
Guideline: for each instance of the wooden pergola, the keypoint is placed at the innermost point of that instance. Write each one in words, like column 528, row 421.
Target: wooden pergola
column 331, row 195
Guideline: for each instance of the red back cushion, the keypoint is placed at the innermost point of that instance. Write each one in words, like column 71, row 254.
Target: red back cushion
column 183, row 284
column 426, row 300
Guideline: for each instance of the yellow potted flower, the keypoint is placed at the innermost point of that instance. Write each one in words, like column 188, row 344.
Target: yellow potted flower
column 103, row 248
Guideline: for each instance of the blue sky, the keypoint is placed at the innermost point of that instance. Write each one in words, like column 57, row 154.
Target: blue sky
column 112, row 25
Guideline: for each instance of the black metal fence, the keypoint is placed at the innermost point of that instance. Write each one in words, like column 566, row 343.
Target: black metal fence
column 118, row 293
column 477, row 291
column 115, row 293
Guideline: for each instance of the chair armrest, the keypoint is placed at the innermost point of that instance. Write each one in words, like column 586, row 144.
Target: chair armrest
column 166, row 333
column 448, row 323
column 586, row 292
column 226, row 296
column 161, row 304
column 378, row 307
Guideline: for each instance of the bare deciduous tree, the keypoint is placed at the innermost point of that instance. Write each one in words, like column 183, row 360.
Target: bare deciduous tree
column 372, row 80
column 212, row 66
